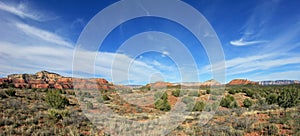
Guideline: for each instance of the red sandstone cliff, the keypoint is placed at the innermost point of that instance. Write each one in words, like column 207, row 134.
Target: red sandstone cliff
column 45, row 79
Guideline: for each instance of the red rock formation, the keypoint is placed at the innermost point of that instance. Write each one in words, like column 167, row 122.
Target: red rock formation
column 241, row 82
column 46, row 79
column 160, row 84
column 21, row 85
column 211, row 82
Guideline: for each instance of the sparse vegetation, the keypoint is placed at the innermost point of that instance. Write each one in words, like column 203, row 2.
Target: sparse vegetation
column 105, row 97
column 199, row 106
column 176, row 93
column 247, row 103
column 56, row 100
column 272, row 98
column 260, row 114
column 162, row 103
column 11, row 91
column 289, row 97
column 89, row 105
column 228, row 102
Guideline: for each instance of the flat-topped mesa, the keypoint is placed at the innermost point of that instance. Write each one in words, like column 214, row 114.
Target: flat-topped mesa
column 160, row 84
column 241, row 82
column 45, row 79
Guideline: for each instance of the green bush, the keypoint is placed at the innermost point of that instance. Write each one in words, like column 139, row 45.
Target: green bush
column 162, row 103
column 289, row 97
column 55, row 100
column 10, row 91
column 158, row 95
column 2, row 94
column 176, row 93
column 249, row 92
column 231, row 91
column 194, row 93
column 272, row 129
column 207, row 91
column 247, row 103
column 272, row 98
column 89, row 105
column 199, row 106
column 105, row 97
column 58, row 114
column 228, row 102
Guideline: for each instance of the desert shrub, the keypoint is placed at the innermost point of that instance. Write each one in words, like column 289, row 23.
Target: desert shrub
column 213, row 97
column 211, row 106
column 216, row 92
column 105, row 97
column 272, row 129
column 70, row 92
column 249, row 92
column 199, row 106
column 89, row 105
column 56, row 100
column 261, row 101
column 58, row 114
column 10, row 91
column 187, row 100
column 239, row 111
column 81, row 98
column 231, row 91
column 158, row 95
column 247, row 103
column 243, row 123
column 4, row 85
column 162, row 103
column 2, row 94
column 208, row 91
column 87, row 94
column 272, row 98
column 194, row 93
column 99, row 100
column 228, row 102
column 223, row 112
column 139, row 109
column 289, row 98
column 176, row 93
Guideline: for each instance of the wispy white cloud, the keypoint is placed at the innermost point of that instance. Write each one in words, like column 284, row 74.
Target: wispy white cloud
column 242, row 42
column 255, row 26
column 165, row 54
column 19, row 11
column 43, row 34
column 118, row 68
column 251, row 65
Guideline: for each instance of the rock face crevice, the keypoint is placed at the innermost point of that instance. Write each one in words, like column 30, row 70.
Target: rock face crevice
column 45, row 79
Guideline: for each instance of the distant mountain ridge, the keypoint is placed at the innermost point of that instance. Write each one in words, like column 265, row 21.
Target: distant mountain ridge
column 279, row 82
column 45, row 79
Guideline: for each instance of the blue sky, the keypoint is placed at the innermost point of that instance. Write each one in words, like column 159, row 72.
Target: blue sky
column 260, row 40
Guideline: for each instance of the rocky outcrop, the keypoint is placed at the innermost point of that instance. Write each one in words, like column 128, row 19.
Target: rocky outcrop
column 45, row 79
column 241, row 82
column 211, row 82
